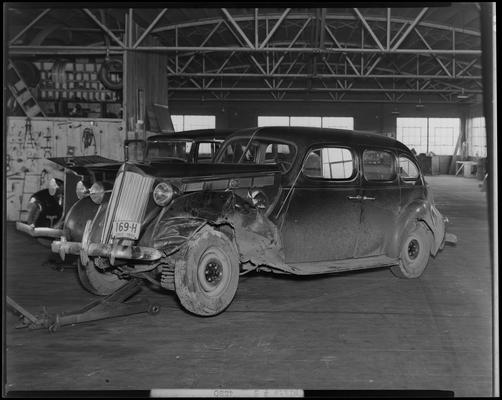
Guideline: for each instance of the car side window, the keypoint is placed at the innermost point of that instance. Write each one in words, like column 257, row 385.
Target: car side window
column 206, row 151
column 407, row 169
column 329, row 163
column 378, row 165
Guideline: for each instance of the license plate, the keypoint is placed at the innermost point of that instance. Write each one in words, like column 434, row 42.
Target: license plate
column 126, row 229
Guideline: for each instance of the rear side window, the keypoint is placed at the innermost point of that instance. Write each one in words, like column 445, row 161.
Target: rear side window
column 378, row 165
column 407, row 169
column 329, row 163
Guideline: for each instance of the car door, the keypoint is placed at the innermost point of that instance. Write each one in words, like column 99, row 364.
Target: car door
column 380, row 201
column 322, row 220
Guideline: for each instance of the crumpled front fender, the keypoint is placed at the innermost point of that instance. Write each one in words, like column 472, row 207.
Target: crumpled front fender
column 256, row 237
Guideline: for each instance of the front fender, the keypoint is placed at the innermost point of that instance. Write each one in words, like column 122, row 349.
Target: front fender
column 178, row 221
column 76, row 218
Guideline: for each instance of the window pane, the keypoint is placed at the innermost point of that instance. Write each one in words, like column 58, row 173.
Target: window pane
column 329, row 163
column 192, row 122
column 476, row 137
column 206, row 151
column 306, row 121
column 338, row 122
column 413, row 133
column 259, row 151
column 177, row 123
column 443, row 135
column 407, row 168
column 378, row 165
column 273, row 121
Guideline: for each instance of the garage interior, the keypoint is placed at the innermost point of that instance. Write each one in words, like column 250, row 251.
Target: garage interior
column 81, row 81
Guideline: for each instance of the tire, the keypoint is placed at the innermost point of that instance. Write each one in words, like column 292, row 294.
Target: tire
column 207, row 276
column 97, row 282
column 415, row 253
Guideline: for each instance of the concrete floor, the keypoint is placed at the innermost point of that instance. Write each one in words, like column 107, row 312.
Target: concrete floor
column 366, row 330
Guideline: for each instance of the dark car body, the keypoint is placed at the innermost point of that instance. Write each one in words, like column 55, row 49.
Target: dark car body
column 194, row 146
column 289, row 200
column 48, row 207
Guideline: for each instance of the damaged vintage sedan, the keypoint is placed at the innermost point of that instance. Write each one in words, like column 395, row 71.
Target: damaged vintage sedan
column 287, row 200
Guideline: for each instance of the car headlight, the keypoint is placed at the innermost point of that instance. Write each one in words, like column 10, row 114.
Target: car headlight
column 163, row 194
column 53, row 187
column 82, row 191
column 97, row 192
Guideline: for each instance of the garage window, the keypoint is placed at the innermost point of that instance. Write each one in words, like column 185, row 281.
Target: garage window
column 317, row 122
column 476, row 137
column 378, row 165
column 329, row 163
column 191, row 122
column 437, row 135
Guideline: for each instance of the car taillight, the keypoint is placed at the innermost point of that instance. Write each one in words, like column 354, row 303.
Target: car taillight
column 163, row 194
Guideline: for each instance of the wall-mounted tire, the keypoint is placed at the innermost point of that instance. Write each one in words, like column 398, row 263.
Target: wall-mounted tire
column 96, row 281
column 415, row 252
column 104, row 74
column 206, row 276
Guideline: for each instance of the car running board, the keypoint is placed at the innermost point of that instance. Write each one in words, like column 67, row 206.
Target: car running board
column 350, row 264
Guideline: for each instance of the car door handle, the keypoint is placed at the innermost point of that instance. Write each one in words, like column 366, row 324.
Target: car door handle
column 354, row 198
column 369, row 198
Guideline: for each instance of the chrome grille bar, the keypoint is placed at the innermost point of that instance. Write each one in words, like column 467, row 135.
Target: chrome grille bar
column 128, row 200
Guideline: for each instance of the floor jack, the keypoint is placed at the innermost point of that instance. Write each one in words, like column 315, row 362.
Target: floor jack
column 111, row 306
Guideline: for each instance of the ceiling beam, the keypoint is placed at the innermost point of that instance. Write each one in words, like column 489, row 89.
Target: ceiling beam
column 105, row 28
column 25, row 29
column 411, row 27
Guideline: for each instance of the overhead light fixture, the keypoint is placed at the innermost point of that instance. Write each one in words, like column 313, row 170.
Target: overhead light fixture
column 462, row 95
column 395, row 112
column 419, row 105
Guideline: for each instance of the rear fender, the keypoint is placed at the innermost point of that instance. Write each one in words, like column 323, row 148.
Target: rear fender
column 417, row 211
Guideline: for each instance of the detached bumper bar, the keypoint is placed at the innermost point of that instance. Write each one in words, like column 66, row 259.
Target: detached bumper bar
column 139, row 253
column 450, row 238
column 38, row 232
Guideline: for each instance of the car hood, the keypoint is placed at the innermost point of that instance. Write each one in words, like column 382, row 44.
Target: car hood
column 176, row 170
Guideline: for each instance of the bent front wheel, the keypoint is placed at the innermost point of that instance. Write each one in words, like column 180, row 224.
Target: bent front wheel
column 98, row 281
column 206, row 278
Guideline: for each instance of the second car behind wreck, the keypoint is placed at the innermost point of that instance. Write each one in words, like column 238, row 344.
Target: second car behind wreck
column 287, row 200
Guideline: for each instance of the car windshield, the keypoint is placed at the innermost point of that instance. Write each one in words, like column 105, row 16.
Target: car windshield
column 175, row 149
column 257, row 151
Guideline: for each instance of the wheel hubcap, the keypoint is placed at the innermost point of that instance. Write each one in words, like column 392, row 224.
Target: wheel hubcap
column 213, row 272
column 413, row 249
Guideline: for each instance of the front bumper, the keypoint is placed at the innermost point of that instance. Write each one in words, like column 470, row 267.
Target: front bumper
column 38, row 232
column 138, row 253
column 450, row 238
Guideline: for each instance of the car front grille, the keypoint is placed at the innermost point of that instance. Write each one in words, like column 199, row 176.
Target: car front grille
column 128, row 200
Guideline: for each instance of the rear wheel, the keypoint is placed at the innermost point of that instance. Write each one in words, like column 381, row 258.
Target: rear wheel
column 415, row 253
column 98, row 281
column 206, row 278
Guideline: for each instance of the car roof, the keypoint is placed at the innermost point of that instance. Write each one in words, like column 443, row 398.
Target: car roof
column 305, row 136
column 196, row 134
